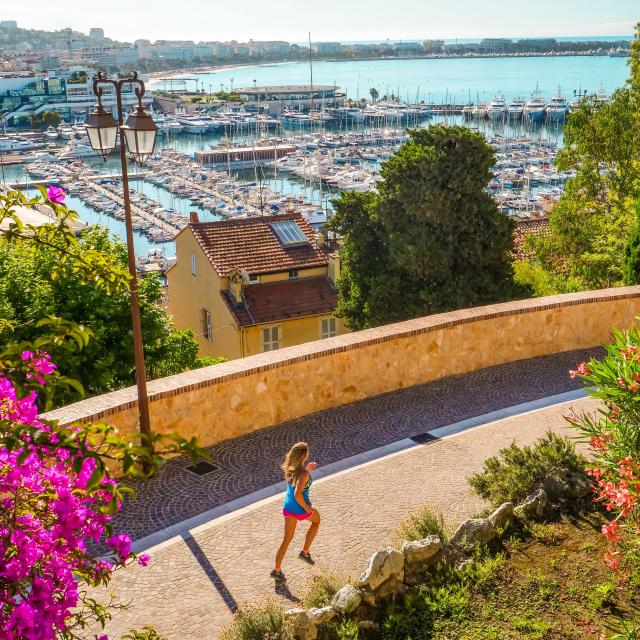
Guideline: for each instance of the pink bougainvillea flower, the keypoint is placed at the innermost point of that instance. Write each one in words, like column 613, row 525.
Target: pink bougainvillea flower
column 143, row 559
column 56, row 194
column 121, row 544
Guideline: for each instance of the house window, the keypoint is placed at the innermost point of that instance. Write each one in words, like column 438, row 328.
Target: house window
column 270, row 338
column 193, row 264
column 254, row 278
column 293, row 273
column 206, row 322
column 328, row 328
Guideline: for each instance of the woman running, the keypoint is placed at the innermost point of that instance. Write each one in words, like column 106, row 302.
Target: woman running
column 296, row 505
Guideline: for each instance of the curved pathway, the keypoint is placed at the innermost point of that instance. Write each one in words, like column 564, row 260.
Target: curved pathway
column 252, row 462
column 197, row 578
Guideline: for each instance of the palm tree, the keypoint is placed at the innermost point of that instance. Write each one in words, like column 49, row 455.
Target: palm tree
column 374, row 93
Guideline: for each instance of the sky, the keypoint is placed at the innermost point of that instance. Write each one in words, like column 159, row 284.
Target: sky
column 328, row 20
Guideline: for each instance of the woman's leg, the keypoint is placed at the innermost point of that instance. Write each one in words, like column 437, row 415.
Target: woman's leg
column 289, row 531
column 313, row 530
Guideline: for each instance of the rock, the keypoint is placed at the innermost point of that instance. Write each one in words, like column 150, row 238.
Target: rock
column 450, row 556
column 502, row 516
column 320, row 616
column 383, row 565
column 421, row 551
column 473, row 532
column 419, row 555
column 533, row 505
column 303, row 627
column 564, row 485
column 346, row 599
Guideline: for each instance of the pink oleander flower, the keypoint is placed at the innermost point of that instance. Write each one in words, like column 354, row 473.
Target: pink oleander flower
column 56, row 194
column 143, row 559
column 581, row 370
column 611, row 560
column 611, row 532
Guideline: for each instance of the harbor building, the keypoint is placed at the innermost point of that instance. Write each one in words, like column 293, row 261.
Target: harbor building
column 70, row 93
column 250, row 285
column 237, row 157
column 276, row 99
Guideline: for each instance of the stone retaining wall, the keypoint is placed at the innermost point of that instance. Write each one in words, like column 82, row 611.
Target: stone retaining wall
column 231, row 399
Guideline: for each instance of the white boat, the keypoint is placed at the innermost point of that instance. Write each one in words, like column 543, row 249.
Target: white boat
column 497, row 108
column 558, row 108
column 76, row 151
column 515, row 109
column 193, row 125
column 51, row 133
column 534, row 109
column 11, row 143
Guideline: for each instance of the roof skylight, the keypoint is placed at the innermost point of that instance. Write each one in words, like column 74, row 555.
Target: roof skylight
column 289, row 233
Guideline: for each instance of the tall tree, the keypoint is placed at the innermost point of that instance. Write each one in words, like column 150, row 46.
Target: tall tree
column 432, row 239
column 28, row 292
column 591, row 223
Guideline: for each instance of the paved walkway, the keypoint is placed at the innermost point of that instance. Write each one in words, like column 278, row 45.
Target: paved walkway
column 252, row 462
column 196, row 579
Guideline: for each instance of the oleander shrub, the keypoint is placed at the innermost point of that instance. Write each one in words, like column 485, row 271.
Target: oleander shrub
column 259, row 622
column 423, row 522
column 322, row 588
column 518, row 471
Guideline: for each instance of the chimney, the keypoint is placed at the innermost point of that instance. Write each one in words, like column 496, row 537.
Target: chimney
column 321, row 241
column 235, row 286
column 334, row 266
column 193, row 217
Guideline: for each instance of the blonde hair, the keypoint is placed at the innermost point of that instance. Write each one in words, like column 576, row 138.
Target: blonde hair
column 293, row 461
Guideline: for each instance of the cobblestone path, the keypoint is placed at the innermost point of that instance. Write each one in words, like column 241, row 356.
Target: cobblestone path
column 252, row 462
column 195, row 581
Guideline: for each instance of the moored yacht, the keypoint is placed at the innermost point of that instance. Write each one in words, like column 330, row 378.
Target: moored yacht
column 497, row 108
column 515, row 109
column 558, row 108
column 535, row 107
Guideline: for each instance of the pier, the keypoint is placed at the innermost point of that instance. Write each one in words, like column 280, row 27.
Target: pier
column 45, row 182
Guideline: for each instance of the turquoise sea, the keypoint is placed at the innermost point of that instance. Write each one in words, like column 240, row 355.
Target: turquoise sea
column 433, row 80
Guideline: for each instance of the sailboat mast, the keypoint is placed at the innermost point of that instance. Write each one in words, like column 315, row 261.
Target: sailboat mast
column 311, row 71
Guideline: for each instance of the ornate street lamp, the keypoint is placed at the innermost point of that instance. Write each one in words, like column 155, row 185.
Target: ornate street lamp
column 138, row 134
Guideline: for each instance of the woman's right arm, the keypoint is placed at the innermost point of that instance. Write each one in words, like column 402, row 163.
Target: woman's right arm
column 302, row 480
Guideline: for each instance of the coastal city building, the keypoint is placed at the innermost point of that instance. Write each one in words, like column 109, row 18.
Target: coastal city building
column 70, row 93
column 251, row 285
column 275, row 99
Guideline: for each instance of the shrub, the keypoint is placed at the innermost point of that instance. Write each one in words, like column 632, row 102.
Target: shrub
column 259, row 622
column 425, row 521
column 322, row 589
column 518, row 471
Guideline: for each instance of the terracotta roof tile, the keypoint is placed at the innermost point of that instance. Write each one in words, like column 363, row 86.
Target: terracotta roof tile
column 251, row 244
column 276, row 301
column 525, row 227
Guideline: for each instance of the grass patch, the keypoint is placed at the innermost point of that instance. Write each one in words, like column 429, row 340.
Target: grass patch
column 425, row 521
column 550, row 583
column 518, row 471
column 322, row 588
column 259, row 622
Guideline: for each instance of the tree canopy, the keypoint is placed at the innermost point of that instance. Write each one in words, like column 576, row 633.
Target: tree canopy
column 29, row 292
column 590, row 226
column 431, row 240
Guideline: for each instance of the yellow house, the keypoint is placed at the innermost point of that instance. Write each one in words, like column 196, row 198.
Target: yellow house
column 254, row 284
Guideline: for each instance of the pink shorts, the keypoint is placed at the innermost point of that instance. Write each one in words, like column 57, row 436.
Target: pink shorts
column 297, row 516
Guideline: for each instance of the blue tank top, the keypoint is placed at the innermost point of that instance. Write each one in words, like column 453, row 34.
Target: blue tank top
column 290, row 503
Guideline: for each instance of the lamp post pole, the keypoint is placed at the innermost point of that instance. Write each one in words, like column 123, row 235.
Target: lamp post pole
column 136, row 322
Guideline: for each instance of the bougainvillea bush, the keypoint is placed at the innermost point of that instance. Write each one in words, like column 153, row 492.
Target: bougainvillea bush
column 614, row 440
column 56, row 492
